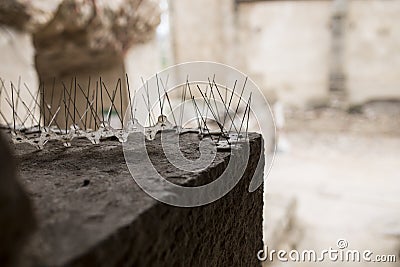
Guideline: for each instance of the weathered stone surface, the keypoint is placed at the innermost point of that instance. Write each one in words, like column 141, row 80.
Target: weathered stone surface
column 26, row 15
column 84, row 34
column 16, row 215
column 91, row 212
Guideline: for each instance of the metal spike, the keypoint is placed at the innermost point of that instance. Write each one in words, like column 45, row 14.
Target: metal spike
column 240, row 99
column 112, row 99
column 150, row 110
column 227, row 111
column 111, row 106
column 248, row 118
column 169, row 102
column 67, row 109
column 43, row 108
column 120, row 98
column 130, row 98
column 97, row 97
column 94, row 110
column 159, row 96
column 18, row 92
column 75, row 109
column 212, row 112
column 183, row 105
column 244, row 115
column 37, row 103
column 101, row 99
column 87, row 103
column 198, row 110
column 215, row 102
column 12, row 100
column 197, row 116
column 230, row 101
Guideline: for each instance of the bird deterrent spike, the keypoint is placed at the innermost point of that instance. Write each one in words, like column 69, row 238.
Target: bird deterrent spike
column 65, row 109
column 15, row 116
column 197, row 108
column 111, row 106
column 97, row 97
column 40, row 108
column 204, row 106
column 169, row 102
column 37, row 103
column 28, row 110
column 112, row 99
column 129, row 96
column 43, row 108
column 69, row 98
column 54, row 116
column 248, row 118
column 120, row 98
column 197, row 117
column 166, row 84
column 182, row 106
column 101, row 99
column 18, row 92
column 68, row 110
column 12, row 100
column 230, row 100
column 244, row 115
column 93, row 110
column 150, row 110
column 212, row 112
column 227, row 111
column 213, row 95
column 75, row 109
column 159, row 96
column 240, row 99
column 87, row 103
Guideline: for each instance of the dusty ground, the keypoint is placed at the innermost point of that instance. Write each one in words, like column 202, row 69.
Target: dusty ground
column 344, row 172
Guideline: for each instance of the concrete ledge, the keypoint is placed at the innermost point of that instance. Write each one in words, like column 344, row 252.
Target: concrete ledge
column 92, row 213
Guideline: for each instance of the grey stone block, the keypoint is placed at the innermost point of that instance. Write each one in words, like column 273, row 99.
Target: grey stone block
column 92, row 213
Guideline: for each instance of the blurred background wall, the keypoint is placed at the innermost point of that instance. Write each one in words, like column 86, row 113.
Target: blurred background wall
column 303, row 53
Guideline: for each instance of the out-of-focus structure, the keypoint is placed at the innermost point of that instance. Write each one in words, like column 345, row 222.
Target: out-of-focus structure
column 64, row 40
column 306, row 53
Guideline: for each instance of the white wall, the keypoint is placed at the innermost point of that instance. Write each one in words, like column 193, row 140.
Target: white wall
column 286, row 46
column 372, row 58
column 17, row 61
column 282, row 46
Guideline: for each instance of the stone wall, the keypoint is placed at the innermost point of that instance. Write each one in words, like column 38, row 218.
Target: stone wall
column 91, row 212
column 287, row 47
column 372, row 60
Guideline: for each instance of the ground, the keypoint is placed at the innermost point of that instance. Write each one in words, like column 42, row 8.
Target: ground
column 343, row 170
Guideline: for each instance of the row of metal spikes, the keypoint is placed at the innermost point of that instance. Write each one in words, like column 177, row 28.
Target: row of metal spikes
column 44, row 131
